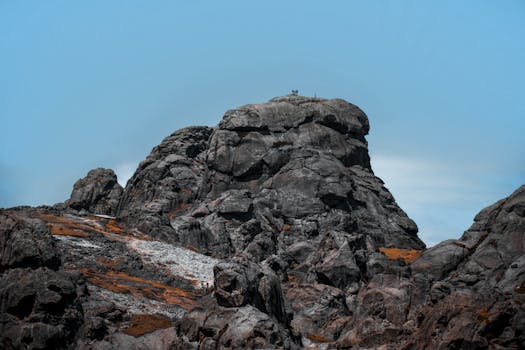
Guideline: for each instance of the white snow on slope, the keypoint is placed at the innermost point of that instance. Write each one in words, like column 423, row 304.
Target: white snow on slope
column 180, row 261
column 79, row 242
column 134, row 304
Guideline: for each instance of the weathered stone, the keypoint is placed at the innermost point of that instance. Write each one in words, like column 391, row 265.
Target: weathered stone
column 234, row 202
column 26, row 243
column 319, row 311
column 166, row 183
column 487, row 284
column 338, row 268
column 97, row 193
column 268, row 231
column 243, row 282
column 236, row 328
column 40, row 305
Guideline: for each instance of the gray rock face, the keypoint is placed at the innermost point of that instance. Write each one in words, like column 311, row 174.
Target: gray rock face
column 292, row 162
column 243, row 282
column 319, row 311
column 293, row 172
column 235, row 328
column 166, row 183
column 97, row 193
column 26, row 243
column 40, row 304
column 487, row 283
column 268, row 231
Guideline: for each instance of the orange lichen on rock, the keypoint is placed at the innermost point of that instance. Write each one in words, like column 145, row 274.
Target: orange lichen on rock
column 292, row 278
column 483, row 314
column 192, row 248
column 113, row 226
column 408, row 255
column 56, row 220
column 120, row 282
column 67, row 231
column 287, row 228
column 144, row 324
column 98, row 226
column 318, row 338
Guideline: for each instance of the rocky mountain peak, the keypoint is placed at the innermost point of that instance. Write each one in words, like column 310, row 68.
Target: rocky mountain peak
column 294, row 162
column 269, row 230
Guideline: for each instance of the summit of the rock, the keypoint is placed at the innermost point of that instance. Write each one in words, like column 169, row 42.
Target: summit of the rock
column 295, row 162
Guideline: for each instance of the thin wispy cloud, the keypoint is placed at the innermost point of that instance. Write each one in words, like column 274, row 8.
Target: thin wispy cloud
column 441, row 197
column 125, row 171
column 424, row 180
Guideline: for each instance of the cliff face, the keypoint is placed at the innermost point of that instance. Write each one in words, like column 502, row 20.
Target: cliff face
column 269, row 230
column 294, row 162
column 483, row 275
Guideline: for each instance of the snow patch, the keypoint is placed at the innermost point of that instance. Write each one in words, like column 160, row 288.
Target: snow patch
column 79, row 242
column 180, row 261
column 136, row 305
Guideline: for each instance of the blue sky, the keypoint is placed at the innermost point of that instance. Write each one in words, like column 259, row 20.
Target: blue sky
column 99, row 83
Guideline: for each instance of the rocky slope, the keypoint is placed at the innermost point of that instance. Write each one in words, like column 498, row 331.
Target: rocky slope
column 268, row 231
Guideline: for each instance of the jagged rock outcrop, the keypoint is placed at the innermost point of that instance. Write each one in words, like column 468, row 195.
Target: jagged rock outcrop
column 268, row 231
column 166, row 182
column 97, row 193
column 305, row 165
column 233, row 328
column 24, row 243
column 243, row 282
column 294, row 163
column 269, row 178
column 40, row 303
column 476, row 300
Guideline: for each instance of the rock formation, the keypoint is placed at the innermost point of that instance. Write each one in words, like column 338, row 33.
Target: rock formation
column 475, row 286
column 97, row 193
column 268, row 231
column 39, row 301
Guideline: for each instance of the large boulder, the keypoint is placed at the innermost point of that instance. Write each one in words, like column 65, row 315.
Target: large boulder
column 294, row 170
column 97, row 193
column 26, row 243
column 243, row 282
column 243, row 327
column 293, row 161
column 40, row 303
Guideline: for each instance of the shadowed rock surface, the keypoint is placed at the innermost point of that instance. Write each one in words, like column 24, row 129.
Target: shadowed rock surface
column 166, row 182
column 40, row 302
column 483, row 275
column 268, row 231
column 97, row 193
